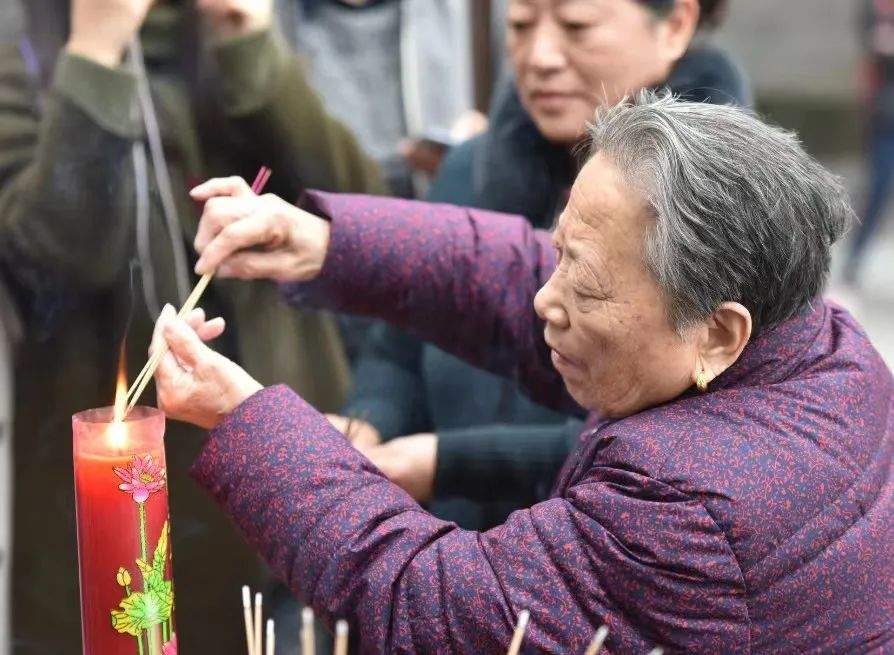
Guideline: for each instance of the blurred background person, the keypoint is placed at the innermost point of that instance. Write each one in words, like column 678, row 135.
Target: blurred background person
column 392, row 70
column 878, row 98
column 97, row 148
column 474, row 438
column 400, row 74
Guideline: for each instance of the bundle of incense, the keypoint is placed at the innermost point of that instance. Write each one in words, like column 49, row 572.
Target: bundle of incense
column 598, row 639
column 246, row 613
column 145, row 375
column 271, row 637
column 523, row 617
column 258, row 646
column 308, row 647
column 341, row 638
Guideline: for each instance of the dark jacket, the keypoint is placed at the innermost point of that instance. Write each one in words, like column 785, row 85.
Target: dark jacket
column 754, row 518
column 67, row 231
column 403, row 386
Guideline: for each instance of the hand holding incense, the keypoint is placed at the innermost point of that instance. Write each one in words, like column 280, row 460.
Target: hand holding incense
column 145, row 375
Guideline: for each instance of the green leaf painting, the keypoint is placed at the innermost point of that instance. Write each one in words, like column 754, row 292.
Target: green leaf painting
column 141, row 611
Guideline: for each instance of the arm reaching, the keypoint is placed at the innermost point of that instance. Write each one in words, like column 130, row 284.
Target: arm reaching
column 619, row 548
column 462, row 279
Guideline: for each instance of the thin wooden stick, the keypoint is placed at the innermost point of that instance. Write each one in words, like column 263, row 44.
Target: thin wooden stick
column 271, row 637
column 598, row 639
column 145, row 375
column 523, row 617
column 341, row 637
column 259, row 601
column 246, row 612
column 308, row 647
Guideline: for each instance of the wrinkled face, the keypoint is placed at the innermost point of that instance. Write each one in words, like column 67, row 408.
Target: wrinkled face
column 606, row 318
column 571, row 56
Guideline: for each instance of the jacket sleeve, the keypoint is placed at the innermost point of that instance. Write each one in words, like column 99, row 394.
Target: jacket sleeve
column 619, row 548
column 516, row 463
column 271, row 105
column 66, row 185
column 461, row 279
column 388, row 387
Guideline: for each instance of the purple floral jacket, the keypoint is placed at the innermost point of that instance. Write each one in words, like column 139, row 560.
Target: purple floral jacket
column 755, row 518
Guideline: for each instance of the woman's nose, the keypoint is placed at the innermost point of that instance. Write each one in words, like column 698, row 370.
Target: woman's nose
column 547, row 304
column 547, row 52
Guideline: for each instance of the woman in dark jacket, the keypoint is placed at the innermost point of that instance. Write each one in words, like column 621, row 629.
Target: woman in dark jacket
column 482, row 439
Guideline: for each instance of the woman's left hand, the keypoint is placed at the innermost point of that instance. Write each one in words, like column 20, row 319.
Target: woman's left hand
column 233, row 18
column 195, row 384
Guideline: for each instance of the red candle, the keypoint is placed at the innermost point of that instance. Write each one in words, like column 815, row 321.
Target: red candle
column 124, row 549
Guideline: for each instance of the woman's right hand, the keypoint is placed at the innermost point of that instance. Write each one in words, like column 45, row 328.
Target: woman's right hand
column 246, row 236
column 102, row 29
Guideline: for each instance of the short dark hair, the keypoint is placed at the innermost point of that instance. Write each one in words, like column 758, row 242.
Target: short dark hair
column 712, row 11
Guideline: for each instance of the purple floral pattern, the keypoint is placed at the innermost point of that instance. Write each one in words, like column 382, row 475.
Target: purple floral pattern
column 755, row 518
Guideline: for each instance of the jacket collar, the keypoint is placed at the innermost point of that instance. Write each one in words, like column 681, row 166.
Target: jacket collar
column 778, row 353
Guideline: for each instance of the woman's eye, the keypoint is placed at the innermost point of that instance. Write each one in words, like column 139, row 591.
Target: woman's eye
column 585, row 294
column 519, row 25
column 576, row 26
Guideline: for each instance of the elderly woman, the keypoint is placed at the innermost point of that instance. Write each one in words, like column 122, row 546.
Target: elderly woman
column 453, row 433
column 732, row 490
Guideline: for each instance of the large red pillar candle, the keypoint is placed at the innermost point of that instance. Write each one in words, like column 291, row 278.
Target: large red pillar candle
column 124, row 546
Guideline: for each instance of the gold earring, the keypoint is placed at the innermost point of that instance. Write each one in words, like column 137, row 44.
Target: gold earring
column 702, row 380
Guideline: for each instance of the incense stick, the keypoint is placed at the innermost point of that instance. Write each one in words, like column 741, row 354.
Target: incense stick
column 341, row 637
column 145, row 375
column 598, row 639
column 246, row 613
column 259, row 601
column 308, row 647
column 271, row 637
column 517, row 637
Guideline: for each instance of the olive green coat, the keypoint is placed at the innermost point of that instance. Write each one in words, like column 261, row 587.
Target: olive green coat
column 67, row 208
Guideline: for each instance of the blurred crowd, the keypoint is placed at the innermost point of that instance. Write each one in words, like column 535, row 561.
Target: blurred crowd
column 110, row 110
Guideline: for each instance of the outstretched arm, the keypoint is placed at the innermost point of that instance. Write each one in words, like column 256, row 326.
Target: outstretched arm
column 619, row 548
column 463, row 279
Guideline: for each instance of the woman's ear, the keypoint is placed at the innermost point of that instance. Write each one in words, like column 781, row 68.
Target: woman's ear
column 728, row 331
column 677, row 29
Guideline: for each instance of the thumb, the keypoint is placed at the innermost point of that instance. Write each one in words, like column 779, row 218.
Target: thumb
column 184, row 343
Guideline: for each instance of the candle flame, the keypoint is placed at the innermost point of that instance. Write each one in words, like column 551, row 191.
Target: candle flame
column 117, row 432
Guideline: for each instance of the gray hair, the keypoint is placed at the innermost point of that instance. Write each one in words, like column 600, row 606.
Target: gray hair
column 742, row 213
